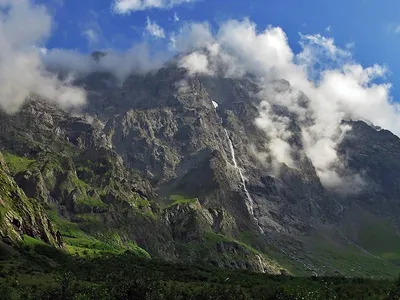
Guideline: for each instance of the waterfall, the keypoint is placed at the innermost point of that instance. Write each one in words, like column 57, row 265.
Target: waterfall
column 250, row 206
column 250, row 202
column 261, row 264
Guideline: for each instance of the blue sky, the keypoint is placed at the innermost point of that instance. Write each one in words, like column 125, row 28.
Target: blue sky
column 369, row 25
column 344, row 79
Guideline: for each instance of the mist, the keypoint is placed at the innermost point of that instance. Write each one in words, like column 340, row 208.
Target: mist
column 139, row 59
column 326, row 87
column 27, row 68
column 23, row 28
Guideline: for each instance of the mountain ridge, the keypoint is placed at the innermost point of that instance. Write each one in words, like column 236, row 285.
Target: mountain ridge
column 148, row 166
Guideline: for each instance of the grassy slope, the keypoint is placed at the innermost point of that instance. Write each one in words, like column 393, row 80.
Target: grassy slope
column 179, row 199
column 377, row 235
column 80, row 243
column 326, row 253
column 366, row 245
column 88, row 236
column 76, row 239
column 333, row 254
column 17, row 164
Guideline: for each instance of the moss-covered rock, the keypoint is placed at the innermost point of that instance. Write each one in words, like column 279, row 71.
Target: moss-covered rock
column 21, row 215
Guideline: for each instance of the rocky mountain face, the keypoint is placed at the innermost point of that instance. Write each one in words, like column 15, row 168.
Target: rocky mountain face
column 20, row 215
column 164, row 165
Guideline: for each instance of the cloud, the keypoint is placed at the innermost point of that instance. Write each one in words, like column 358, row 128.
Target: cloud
column 176, row 17
column 154, row 29
column 139, row 59
column 328, row 28
column 128, row 6
column 319, row 49
column 392, row 28
column 191, row 36
column 276, row 129
column 350, row 45
column 92, row 30
column 326, row 87
column 196, row 63
column 263, row 54
column 91, row 36
column 24, row 27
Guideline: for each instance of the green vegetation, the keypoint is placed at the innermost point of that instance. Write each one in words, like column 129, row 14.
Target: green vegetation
column 80, row 243
column 100, row 259
column 17, row 164
column 214, row 238
column 30, row 242
column 379, row 237
column 90, row 201
column 178, row 199
column 79, row 183
column 333, row 254
column 41, row 273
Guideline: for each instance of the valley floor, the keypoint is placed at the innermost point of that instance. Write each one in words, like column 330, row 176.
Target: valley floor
column 39, row 271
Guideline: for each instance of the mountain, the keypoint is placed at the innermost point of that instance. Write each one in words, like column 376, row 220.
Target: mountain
column 165, row 165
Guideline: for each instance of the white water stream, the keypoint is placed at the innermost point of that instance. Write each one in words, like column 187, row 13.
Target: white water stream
column 261, row 264
column 250, row 202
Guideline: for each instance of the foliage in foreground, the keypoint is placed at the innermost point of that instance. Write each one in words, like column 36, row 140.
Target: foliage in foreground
column 43, row 272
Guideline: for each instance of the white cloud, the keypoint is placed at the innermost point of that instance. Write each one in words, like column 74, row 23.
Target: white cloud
column 191, row 36
column 337, row 89
column 196, row 63
column 262, row 53
column 319, row 50
column 350, row 45
column 154, row 29
column 139, row 59
column 128, row 6
column 276, row 128
column 176, row 17
column 392, row 28
column 328, row 28
column 91, row 36
column 43, row 50
column 92, row 30
column 327, row 46
column 24, row 26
